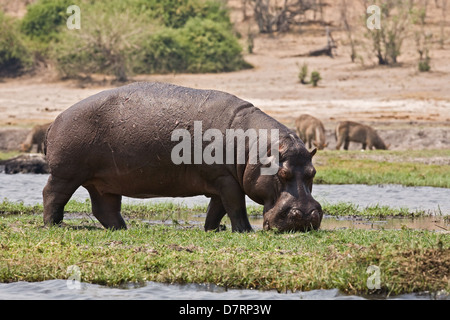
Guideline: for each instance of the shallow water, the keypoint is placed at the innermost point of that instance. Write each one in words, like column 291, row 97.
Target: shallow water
column 68, row 290
column 28, row 188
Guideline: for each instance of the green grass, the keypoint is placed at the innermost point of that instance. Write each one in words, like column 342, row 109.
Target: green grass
column 409, row 260
column 5, row 155
column 375, row 211
column 382, row 167
column 171, row 211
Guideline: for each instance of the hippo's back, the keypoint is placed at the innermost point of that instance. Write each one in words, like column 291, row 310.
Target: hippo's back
column 119, row 126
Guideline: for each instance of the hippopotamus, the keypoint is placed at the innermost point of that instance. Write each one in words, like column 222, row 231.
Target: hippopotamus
column 121, row 142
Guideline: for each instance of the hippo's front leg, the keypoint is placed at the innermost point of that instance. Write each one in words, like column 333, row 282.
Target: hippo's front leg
column 214, row 214
column 233, row 200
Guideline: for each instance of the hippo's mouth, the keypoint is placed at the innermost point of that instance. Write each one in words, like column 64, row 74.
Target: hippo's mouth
column 292, row 219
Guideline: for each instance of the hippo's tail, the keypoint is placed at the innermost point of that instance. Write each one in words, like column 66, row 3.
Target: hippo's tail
column 45, row 138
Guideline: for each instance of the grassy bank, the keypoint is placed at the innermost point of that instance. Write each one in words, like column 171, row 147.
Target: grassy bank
column 170, row 211
column 5, row 155
column 409, row 260
column 409, row 168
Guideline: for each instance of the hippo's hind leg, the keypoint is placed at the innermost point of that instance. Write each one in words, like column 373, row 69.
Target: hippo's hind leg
column 56, row 194
column 106, row 208
column 214, row 214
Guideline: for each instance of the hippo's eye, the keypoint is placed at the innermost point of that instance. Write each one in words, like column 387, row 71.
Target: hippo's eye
column 285, row 174
column 310, row 174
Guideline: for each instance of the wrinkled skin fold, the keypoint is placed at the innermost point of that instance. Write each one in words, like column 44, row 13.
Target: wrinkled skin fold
column 119, row 142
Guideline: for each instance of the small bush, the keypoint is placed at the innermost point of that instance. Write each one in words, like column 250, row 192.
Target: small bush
column 303, row 73
column 211, row 47
column 315, row 78
column 43, row 19
column 201, row 46
column 162, row 53
column 424, row 65
column 104, row 44
column 14, row 55
column 176, row 13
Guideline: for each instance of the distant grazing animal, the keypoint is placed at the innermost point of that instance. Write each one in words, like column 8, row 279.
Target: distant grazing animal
column 347, row 131
column 311, row 131
column 36, row 136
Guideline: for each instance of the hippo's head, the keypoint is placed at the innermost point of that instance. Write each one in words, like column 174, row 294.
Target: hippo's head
column 286, row 196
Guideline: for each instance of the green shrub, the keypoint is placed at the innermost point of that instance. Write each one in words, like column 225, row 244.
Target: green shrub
column 201, row 46
column 162, row 53
column 424, row 65
column 176, row 13
column 104, row 44
column 121, row 39
column 14, row 55
column 211, row 47
column 303, row 73
column 315, row 78
column 44, row 18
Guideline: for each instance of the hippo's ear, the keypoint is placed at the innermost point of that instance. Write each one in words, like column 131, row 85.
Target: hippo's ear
column 312, row 153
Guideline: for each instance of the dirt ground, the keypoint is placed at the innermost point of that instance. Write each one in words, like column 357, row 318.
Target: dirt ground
column 410, row 110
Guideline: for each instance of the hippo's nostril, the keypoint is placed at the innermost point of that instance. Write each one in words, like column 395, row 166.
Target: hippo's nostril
column 295, row 212
column 316, row 215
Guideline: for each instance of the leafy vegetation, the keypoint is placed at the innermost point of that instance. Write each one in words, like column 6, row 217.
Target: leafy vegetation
column 176, row 13
column 303, row 73
column 104, row 44
column 315, row 78
column 14, row 55
column 127, row 37
column 202, row 45
column 44, row 19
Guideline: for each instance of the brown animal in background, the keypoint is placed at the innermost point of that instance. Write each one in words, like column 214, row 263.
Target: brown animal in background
column 311, row 131
column 36, row 136
column 347, row 131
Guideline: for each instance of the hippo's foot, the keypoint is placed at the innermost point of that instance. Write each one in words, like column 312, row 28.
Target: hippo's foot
column 214, row 214
column 106, row 208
